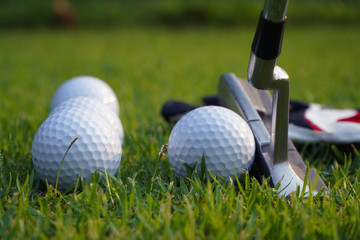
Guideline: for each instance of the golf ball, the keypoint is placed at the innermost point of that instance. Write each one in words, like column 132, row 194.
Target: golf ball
column 221, row 135
column 97, row 147
column 86, row 86
column 96, row 106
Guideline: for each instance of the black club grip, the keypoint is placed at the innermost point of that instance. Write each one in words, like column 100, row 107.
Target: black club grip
column 268, row 38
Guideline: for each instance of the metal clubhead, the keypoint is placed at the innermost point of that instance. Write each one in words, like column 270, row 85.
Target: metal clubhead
column 255, row 107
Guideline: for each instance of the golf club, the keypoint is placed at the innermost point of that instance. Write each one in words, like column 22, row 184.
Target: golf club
column 268, row 117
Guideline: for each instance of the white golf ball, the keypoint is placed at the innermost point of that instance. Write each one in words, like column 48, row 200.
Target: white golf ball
column 98, row 147
column 220, row 134
column 96, row 106
column 86, row 86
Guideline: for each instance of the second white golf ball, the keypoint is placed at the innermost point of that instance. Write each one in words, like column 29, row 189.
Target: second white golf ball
column 86, row 86
column 221, row 135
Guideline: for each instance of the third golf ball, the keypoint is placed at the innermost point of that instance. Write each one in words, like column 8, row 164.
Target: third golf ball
column 86, row 86
column 221, row 135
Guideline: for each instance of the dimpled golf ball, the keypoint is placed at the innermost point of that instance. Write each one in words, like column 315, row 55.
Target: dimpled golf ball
column 221, row 135
column 86, row 86
column 96, row 148
column 96, row 106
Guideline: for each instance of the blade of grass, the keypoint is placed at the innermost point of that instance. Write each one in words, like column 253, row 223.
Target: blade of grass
column 63, row 159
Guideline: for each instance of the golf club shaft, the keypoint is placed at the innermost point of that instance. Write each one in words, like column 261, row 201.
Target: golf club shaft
column 275, row 10
column 264, row 74
column 280, row 120
column 266, row 46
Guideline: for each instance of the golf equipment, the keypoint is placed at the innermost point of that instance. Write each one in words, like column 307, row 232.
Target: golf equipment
column 86, row 86
column 96, row 106
column 218, row 134
column 97, row 147
column 268, row 117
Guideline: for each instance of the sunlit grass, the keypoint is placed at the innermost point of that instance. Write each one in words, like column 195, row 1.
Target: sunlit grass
column 145, row 199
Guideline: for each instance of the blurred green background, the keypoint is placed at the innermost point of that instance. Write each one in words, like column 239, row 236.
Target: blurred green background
column 174, row 13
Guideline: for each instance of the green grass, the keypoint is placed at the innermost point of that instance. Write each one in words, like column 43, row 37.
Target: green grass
column 145, row 200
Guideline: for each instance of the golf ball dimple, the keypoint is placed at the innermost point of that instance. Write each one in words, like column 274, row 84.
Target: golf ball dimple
column 86, row 86
column 220, row 134
column 98, row 147
column 96, row 106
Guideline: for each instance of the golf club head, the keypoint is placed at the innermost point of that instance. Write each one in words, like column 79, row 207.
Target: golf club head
column 255, row 107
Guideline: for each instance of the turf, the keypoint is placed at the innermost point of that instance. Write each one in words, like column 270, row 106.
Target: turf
column 145, row 200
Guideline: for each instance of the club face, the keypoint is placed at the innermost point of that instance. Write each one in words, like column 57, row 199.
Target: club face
column 255, row 107
column 234, row 97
